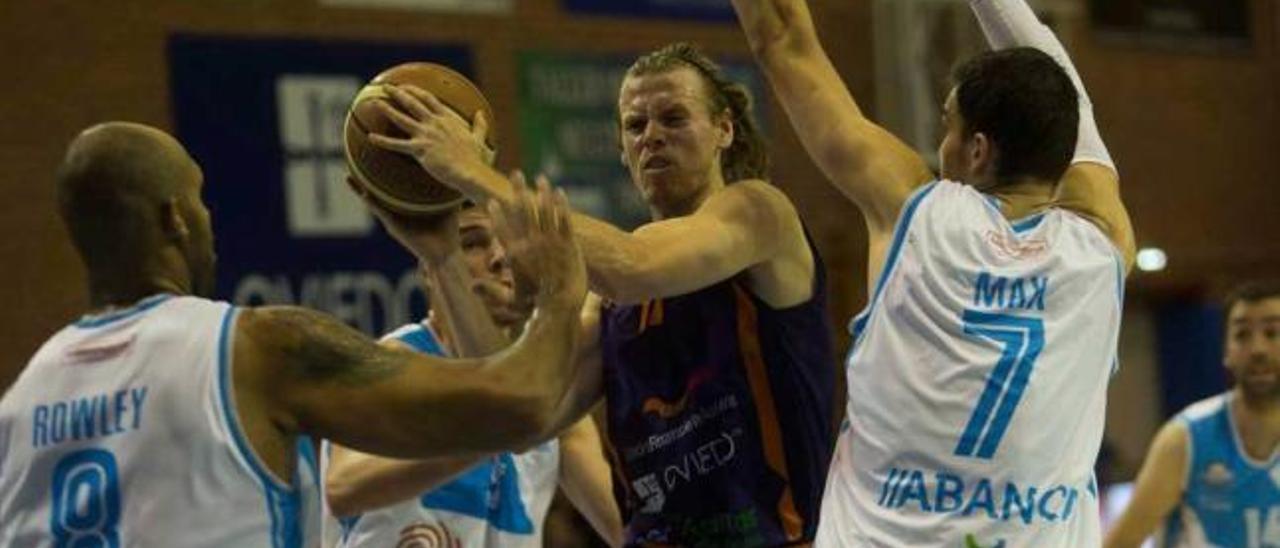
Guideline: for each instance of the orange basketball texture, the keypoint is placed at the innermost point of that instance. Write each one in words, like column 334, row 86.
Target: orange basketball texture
column 393, row 179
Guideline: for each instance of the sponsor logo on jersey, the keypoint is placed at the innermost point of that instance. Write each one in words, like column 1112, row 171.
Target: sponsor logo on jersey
column 422, row 535
column 1217, row 475
column 650, row 491
column 1015, row 248
column 944, row 492
column 668, row 409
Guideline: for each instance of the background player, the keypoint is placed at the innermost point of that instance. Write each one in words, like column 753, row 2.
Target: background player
column 495, row 500
column 164, row 419
column 717, row 363
column 1211, row 473
column 977, row 379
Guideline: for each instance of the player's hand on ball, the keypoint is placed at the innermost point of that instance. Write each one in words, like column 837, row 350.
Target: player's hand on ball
column 536, row 229
column 443, row 142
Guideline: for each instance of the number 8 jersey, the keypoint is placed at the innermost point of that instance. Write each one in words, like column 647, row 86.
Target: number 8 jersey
column 122, row 431
column 977, row 381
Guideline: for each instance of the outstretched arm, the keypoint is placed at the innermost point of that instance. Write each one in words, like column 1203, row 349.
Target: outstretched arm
column 865, row 162
column 1091, row 186
column 735, row 229
column 357, row 482
column 306, row 372
column 1159, row 487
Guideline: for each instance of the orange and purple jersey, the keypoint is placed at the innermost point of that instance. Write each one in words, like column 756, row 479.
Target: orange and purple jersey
column 719, row 415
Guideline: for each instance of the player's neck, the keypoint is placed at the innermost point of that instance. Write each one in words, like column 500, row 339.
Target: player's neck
column 1022, row 197
column 660, row 212
column 1257, row 424
column 107, row 293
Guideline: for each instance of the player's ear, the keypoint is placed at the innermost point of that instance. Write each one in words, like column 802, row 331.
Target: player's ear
column 724, row 122
column 171, row 221
column 982, row 153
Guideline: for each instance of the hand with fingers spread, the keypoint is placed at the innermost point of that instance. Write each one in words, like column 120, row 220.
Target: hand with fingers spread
column 536, row 229
column 441, row 140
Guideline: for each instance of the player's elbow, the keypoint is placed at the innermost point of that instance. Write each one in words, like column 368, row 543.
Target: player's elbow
column 341, row 494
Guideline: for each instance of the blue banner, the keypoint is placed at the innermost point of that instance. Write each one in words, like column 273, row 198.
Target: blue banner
column 700, row 10
column 263, row 118
column 1189, row 347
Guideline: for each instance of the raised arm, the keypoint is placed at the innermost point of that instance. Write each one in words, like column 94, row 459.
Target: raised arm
column 1091, row 186
column 865, row 162
column 357, row 482
column 310, row 373
column 1159, row 487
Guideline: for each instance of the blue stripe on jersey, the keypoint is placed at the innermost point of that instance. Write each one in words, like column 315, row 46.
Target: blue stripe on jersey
column 422, row 340
column 1120, row 277
column 89, row 322
column 308, row 452
column 283, row 501
column 1028, row 223
column 470, row 494
column 859, row 323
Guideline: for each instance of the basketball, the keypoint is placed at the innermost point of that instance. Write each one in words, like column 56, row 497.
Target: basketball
column 393, row 179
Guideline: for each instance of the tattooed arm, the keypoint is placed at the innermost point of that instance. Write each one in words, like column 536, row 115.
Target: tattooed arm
column 301, row 371
column 313, row 374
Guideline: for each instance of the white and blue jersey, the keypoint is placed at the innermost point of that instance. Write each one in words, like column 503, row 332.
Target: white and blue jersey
column 1229, row 499
column 123, row 431
column 500, row 502
column 977, row 381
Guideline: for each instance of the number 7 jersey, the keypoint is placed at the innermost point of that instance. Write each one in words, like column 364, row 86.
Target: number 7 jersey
column 977, row 381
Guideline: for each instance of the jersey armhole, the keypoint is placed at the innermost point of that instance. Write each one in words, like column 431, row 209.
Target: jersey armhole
column 1191, row 456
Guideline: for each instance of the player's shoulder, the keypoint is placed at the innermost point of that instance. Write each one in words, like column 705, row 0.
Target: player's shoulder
column 943, row 191
column 756, row 195
column 1203, row 409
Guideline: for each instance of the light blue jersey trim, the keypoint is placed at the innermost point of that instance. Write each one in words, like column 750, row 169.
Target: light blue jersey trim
column 283, row 501
column 470, row 493
column 422, row 340
column 1027, row 224
column 857, row 327
column 1120, row 278
column 90, row 322
column 1238, row 444
column 1019, row 226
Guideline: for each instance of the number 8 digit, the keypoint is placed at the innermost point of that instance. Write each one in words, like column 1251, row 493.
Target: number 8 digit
column 86, row 501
